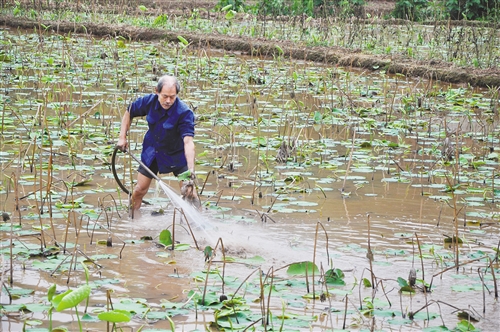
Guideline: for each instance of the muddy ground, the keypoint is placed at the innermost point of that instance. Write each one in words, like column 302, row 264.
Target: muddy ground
column 433, row 70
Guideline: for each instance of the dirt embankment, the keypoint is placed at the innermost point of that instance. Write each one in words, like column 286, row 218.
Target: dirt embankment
column 434, row 70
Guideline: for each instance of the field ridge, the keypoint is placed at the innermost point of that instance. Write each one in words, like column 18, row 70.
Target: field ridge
column 432, row 70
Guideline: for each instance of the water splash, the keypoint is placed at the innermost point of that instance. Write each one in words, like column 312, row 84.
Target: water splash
column 239, row 239
column 195, row 218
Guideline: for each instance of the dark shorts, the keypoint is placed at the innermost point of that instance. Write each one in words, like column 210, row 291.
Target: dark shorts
column 154, row 169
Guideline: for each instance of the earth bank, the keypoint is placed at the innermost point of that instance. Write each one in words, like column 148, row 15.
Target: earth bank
column 432, row 70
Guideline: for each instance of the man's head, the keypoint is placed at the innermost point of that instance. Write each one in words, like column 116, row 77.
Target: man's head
column 167, row 89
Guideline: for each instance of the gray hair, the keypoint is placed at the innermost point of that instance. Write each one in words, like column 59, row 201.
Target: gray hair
column 168, row 80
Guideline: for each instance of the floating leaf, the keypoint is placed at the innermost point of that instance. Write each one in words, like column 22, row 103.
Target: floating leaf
column 115, row 316
column 402, row 282
column 299, row 269
column 335, row 277
column 464, row 326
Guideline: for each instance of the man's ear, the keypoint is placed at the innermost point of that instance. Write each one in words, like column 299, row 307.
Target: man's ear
column 156, row 90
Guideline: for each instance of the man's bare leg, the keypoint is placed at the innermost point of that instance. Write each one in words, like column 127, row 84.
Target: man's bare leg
column 140, row 190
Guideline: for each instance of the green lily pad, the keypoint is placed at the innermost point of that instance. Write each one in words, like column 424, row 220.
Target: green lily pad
column 299, row 269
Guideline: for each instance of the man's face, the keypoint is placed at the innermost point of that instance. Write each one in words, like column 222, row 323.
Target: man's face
column 166, row 96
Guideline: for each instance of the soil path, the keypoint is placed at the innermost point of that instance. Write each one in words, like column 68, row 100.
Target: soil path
column 433, row 70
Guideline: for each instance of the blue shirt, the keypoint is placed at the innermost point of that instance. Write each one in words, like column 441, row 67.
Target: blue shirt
column 164, row 140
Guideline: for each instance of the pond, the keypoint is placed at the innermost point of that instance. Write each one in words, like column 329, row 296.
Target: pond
column 326, row 187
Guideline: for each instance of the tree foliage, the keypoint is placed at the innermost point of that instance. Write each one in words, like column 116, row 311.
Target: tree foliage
column 417, row 10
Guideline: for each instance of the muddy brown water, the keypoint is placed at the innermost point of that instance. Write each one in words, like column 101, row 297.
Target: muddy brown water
column 397, row 209
column 323, row 198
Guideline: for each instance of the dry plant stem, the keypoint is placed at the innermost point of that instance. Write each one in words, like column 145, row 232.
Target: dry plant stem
column 206, row 283
column 452, row 267
column 262, row 302
column 208, row 268
column 370, row 255
column 109, row 304
column 307, row 277
column 483, row 288
column 314, row 253
column 204, row 183
column 173, row 229
column 455, row 222
column 421, row 257
column 101, row 204
column 6, row 290
column 16, row 197
column 359, row 290
column 190, row 230
column 272, row 203
column 3, row 117
column 350, row 160
column 48, row 194
column 493, row 186
column 11, row 258
column 268, row 309
column 257, row 167
column 345, row 311
column 109, row 232
column 244, row 281
column 219, row 197
column 494, row 278
column 249, row 326
column 327, row 295
column 68, row 222
column 40, row 207
column 423, row 275
column 385, row 293
column 412, row 314
column 73, row 256
column 84, row 114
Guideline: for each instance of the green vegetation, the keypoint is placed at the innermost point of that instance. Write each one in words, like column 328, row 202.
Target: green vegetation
column 419, row 10
column 435, row 40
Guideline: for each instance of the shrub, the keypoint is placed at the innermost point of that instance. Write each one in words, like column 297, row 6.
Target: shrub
column 410, row 9
column 417, row 10
column 472, row 9
column 311, row 7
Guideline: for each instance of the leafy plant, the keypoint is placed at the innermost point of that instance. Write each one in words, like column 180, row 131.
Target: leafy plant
column 69, row 299
column 472, row 9
column 418, row 10
column 165, row 237
column 236, row 5
column 412, row 10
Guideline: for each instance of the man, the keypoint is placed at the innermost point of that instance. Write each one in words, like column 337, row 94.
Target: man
column 168, row 144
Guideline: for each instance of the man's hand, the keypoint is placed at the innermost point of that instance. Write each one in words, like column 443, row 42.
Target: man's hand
column 122, row 144
column 193, row 176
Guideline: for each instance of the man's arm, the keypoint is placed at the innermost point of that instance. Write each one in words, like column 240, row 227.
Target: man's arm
column 125, row 126
column 189, row 152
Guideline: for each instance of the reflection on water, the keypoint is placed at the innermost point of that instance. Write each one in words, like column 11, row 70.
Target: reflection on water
column 361, row 147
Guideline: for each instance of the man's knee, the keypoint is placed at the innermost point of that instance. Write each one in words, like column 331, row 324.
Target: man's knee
column 142, row 186
column 139, row 191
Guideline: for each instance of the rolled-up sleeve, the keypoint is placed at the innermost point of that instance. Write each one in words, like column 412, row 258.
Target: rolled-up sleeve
column 140, row 106
column 186, row 124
